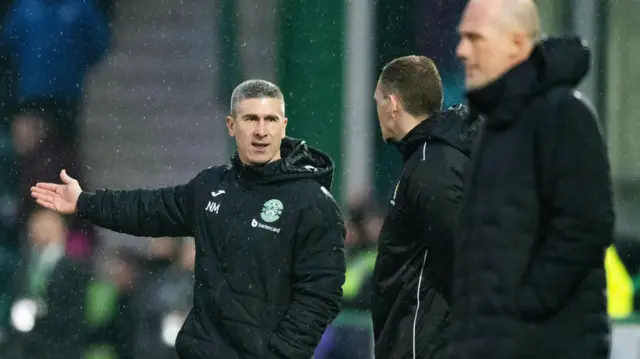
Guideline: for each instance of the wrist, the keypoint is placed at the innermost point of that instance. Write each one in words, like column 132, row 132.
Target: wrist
column 83, row 204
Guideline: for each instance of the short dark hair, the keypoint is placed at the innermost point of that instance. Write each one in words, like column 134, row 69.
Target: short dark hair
column 253, row 89
column 416, row 82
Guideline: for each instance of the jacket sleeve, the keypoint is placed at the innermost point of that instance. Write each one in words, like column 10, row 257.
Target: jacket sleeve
column 149, row 213
column 577, row 209
column 318, row 276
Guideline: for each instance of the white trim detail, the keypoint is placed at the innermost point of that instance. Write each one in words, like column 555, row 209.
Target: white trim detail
column 424, row 263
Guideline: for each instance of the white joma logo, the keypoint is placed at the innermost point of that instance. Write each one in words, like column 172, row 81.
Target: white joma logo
column 212, row 207
column 216, row 194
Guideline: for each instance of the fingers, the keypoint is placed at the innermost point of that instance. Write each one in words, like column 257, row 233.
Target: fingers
column 46, row 186
column 65, row 177
column 45, row 204
column 42, row 194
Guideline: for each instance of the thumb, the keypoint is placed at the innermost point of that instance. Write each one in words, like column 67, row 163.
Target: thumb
column 65, row 177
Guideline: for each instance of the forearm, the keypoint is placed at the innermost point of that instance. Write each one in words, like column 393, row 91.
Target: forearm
column 137, row 212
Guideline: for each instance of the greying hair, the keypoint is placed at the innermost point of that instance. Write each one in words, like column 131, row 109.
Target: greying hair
column 253, row 89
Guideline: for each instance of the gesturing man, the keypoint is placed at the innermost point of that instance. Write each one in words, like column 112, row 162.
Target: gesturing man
column 270, row 261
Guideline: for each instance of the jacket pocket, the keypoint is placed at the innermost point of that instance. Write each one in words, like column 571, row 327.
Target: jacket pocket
column 250, row 341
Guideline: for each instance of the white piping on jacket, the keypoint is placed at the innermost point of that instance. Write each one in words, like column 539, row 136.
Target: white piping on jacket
column 415, row 318
column 424, row 263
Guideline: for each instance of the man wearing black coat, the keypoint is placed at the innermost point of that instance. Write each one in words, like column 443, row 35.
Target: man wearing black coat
column 411, row 300
column 269, row 236
column 538, row 214
column 57, row 283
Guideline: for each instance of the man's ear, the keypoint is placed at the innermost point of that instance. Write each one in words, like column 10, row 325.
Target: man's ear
column 519, row 42
column 395, row 104
column 230, row 125
column 285, row 121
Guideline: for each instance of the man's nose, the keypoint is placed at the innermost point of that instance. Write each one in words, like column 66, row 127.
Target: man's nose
column 461, row 49
column 261, row 128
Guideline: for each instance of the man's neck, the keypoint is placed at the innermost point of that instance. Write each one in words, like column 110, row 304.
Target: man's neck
column 246, row 163
column 522, row 58
column 407, row 123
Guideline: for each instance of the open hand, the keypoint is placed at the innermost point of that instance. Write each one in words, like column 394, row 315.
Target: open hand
column 61, row 198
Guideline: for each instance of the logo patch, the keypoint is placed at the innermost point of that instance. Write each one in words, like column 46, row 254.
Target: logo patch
column 255, row 223
column 271, row 210
column 217, row 193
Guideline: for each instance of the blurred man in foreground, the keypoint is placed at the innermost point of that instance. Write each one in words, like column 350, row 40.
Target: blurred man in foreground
column 413, row 270
column 270, row 258
column 538, row 213
column 54, row 286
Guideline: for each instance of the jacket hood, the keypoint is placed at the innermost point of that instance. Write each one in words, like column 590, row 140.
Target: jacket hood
column 561, row 61
column 299, row 161
column 454, row 126
column 554, row 62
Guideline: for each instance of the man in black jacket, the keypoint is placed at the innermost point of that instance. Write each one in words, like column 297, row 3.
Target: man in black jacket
column 270, row 261
column 411, row 299
column 529, row 279
column 50, row 277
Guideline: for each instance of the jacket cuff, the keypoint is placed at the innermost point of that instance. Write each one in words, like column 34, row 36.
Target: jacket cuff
column 83, row 207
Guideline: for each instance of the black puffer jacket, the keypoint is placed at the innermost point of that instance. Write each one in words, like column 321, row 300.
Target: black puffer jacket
column 269, row 241
column 537, row 218
column 413, row 269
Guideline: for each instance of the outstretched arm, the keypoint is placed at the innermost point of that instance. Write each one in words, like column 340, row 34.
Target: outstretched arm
column 149, row 213
column 152, row 213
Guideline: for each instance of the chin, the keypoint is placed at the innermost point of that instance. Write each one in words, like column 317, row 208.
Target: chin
column 255, row 162
column 476, row 84
column 470, row 85
column 260, row 160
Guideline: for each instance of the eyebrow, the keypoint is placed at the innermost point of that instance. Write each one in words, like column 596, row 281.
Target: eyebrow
column 254, row 115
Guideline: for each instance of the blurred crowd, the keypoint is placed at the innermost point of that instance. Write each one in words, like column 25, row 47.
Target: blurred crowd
column 122, row 305
column 47, row 48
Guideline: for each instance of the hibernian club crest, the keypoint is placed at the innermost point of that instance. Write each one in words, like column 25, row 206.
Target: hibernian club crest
column 271, row 210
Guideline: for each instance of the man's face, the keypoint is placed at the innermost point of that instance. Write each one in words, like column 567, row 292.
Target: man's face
column 384, row 106
column 485, row 48
column 258, row 126
column 28, row 133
